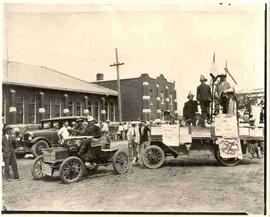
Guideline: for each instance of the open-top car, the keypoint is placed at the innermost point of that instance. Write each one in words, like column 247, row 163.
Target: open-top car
column 71, row 164
column 34, row 141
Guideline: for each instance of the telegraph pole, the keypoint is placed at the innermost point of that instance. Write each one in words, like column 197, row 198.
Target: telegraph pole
column 117, row 64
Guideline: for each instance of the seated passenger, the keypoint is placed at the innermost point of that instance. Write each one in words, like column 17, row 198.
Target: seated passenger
column 63, row 133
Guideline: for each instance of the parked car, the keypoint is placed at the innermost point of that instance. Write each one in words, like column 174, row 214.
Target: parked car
column 17, row 132
column 71, row 165
column 35, row 141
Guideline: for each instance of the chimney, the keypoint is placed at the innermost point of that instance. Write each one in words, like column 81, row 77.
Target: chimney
column 100, row 77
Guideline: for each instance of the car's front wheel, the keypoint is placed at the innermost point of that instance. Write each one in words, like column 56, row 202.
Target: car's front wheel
column 71, row 169
column 153, row 157
column 36, row 169
column 38, row 147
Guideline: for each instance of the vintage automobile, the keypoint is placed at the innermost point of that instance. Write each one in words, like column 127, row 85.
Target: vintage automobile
column 224, row 139
column 70, row 165
column 34, row 141
column 17, row 132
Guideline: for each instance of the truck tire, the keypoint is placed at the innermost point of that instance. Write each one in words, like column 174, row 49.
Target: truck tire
column 153, row 157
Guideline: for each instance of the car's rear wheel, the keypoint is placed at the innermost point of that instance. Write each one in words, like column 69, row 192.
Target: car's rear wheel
column 120, row 162
column 38, row 147
column 153, row 157
column 71, row 169
column 36, row 169
column 229, row 162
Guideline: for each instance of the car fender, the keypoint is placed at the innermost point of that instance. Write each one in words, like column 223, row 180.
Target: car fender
column 33, row 141
column 164, row 147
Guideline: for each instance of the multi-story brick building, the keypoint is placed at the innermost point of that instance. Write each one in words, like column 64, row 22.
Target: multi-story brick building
column 31, row 93
column 145, row 97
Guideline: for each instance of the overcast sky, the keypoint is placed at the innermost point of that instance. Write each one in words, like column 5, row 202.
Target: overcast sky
column 175, row 40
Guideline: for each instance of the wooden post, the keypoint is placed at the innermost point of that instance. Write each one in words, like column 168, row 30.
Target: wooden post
column 117, row 64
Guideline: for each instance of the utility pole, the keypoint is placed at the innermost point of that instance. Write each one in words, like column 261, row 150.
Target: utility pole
column 117, row 64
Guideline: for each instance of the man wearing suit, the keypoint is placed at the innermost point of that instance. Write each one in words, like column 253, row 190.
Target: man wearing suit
column 189, row 110
column 204, row 97
column 9, row 157
column 145, row 137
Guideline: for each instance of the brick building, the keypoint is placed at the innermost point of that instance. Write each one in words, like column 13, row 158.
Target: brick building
column 31, row 93
column 145, row 97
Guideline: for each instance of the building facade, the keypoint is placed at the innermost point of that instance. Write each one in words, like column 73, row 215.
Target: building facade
column 145, row 97
column 32, row 93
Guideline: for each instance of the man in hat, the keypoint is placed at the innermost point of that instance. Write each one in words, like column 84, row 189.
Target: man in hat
column 204, row 98
column 190, row 109
column 9, row 156
column 91, row 130
column 80, row 128
column 145, row 137
column 106, row 132
column 222, row 87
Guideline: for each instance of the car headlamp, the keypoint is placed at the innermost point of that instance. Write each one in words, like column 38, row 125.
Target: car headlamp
column 30, row 136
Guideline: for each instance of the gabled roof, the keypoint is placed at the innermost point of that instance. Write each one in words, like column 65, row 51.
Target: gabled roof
column 42, row 77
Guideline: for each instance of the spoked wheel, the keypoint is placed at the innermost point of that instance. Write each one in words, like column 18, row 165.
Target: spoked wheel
column 226, row 161
column 71, row 170
column 120, row 162
column 153, row 157
column 36, row 169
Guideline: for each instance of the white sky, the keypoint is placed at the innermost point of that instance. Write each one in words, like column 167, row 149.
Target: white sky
column 176, row 40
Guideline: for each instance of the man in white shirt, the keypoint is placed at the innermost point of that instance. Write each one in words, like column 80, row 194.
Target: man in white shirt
column 63, row 133
column 132, row 146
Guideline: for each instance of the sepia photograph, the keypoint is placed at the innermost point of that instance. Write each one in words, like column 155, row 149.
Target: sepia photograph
column 134, row 108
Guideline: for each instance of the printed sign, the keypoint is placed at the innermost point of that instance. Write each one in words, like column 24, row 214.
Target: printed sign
column 226, row 125
column 230, row 148
column 170, row 135
column 156, row 131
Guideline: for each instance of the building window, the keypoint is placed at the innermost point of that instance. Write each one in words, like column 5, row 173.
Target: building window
column 70, row 107
column 32, row 109
column 162, row 97
column 47, row 106
column 20, row 109
column 96, row 115
column 78, row 108
column 56, row 108
column 90, row 107
column 112, row 111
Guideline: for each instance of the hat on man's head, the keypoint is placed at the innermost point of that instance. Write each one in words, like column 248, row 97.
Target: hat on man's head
column 143, row 121
column 222, row 74
column 90, row 119
column 7, row 127
column 108, row 121
column 190, row 95
column 202, row 78
column 79, row 120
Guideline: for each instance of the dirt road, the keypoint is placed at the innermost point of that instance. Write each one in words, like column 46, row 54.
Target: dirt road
column 181, row 185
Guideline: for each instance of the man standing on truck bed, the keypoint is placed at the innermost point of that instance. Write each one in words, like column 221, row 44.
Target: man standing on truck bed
column 204, row 98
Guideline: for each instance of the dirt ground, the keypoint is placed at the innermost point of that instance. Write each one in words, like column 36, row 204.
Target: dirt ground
column 181, row 185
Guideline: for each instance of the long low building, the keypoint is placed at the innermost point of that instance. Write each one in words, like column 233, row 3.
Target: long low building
column 31, row 93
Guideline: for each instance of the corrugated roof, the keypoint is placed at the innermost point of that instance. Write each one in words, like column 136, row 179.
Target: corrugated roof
column 42, row 77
